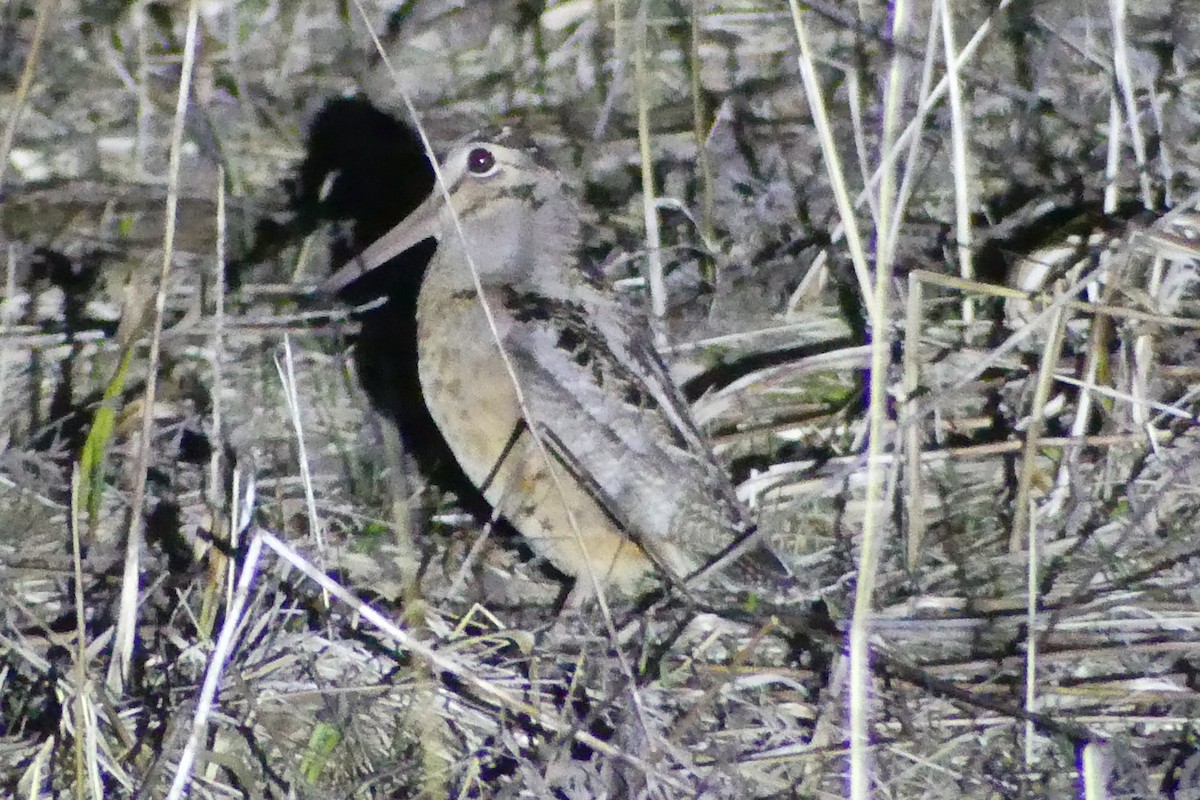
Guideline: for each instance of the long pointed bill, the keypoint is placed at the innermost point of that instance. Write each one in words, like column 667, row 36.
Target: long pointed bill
column 421, row 224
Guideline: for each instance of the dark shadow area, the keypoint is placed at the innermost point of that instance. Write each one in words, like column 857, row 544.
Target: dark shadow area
column 365, row 168
column 66, row 424
column 1077, row 215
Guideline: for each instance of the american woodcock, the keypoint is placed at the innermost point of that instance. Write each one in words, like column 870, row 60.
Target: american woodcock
column 623, row 484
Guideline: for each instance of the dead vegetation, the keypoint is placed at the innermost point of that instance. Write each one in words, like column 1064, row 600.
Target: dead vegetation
column 199, row 492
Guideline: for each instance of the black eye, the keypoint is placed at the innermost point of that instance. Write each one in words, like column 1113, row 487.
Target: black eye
column 480, row 161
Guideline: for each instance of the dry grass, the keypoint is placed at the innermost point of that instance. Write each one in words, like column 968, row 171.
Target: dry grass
column 933, row 276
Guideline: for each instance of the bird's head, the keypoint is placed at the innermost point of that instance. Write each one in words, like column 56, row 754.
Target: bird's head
column 514, row 220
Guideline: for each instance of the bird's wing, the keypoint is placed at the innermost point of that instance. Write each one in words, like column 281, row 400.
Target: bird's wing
column 637, row 349
column 605, row 422
column 742, row 556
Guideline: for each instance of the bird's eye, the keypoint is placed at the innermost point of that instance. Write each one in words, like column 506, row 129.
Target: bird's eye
column 481, row 162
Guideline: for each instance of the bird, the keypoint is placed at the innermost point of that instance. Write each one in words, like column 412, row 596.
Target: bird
column 551, row 395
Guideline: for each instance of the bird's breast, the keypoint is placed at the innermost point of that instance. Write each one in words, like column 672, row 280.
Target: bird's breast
column 466, row 386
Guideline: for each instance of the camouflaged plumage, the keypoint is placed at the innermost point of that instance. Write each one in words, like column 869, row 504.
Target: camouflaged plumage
column 624, row 484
